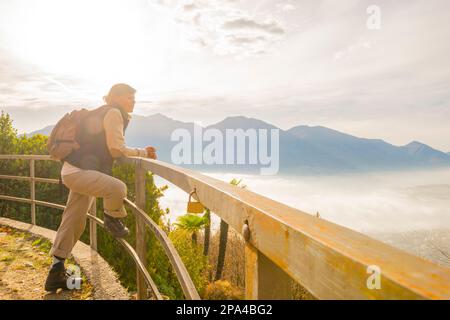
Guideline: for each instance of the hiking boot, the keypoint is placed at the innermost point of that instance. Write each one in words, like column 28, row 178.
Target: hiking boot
column 115, row 226
column 57, row 278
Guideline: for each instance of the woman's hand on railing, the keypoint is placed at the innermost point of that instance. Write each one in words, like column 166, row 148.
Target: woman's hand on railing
column 151, row 152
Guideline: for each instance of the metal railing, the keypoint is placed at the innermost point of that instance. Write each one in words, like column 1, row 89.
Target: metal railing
column 282, row 244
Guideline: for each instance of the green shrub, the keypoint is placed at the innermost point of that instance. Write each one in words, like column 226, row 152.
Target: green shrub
column 222, row 290
column 192, row 255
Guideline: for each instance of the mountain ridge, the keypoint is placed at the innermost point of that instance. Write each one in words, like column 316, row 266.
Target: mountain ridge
column 302, row 148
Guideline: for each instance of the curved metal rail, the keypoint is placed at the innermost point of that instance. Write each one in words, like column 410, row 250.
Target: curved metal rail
column 186, row 283
column 136, row 259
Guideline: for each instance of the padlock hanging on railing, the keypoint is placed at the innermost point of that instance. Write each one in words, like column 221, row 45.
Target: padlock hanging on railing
column 194, row 206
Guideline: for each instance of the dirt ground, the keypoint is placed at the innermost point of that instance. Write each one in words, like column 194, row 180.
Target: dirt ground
column 24, row 264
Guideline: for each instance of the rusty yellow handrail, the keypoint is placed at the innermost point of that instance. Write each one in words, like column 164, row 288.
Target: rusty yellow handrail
column 330, row 261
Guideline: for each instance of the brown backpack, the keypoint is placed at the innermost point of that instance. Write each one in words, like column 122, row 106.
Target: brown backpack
column 63, row 139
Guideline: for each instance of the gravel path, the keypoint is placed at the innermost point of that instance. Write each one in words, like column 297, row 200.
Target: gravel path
column 24, row 264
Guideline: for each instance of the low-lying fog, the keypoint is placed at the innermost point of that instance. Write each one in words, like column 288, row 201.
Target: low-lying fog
column 410, row 210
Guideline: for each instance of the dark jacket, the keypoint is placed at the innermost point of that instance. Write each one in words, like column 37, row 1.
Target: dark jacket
column 94, row 153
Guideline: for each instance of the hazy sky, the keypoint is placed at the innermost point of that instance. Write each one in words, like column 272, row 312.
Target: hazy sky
column 288, row 62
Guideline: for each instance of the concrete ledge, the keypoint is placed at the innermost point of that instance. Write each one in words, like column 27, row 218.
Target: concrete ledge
column 103, row 279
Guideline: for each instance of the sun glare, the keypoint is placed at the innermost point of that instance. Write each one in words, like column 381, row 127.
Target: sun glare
column 83, row 38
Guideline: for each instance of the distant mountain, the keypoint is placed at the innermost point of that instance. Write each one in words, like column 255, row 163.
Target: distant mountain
column 425, row 153
column 364, row 153
column 45, row 131
column 241, row 122
column 302, row 149
column 155, row 130
column 295, row 154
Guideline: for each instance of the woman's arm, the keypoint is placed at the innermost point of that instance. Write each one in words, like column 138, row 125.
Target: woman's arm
column 113, row 125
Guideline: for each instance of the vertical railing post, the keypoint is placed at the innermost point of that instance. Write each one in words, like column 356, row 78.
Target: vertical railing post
column 32, row 192
column 251, row 272
column 264, row 280
column 93, row 225
column 141, row 245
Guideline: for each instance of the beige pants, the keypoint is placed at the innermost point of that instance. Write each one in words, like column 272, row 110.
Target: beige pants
column 84, row 186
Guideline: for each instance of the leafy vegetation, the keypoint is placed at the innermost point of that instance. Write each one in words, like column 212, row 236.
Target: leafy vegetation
column 193, row 224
